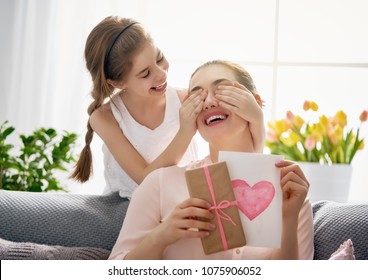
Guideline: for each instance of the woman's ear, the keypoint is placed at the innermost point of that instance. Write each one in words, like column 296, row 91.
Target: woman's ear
column 259, row 100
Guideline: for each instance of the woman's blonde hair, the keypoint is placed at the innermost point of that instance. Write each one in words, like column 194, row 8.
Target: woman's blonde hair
column 242, row 76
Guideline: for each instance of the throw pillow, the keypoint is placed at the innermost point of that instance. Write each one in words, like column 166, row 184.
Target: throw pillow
column 344, row 252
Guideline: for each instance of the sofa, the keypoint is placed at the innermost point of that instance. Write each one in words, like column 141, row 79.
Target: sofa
column 76, row 226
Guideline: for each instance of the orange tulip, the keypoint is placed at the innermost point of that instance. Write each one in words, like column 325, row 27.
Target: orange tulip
column 290, row 116
column 363, row 116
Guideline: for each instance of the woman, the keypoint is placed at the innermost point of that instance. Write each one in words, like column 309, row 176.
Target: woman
column 161, row 213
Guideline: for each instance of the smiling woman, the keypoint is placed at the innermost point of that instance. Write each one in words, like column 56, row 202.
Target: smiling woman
column 172, row 224
column 234, row 91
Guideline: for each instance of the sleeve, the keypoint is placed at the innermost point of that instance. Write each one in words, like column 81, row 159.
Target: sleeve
column 142, row 216
column 306, row 232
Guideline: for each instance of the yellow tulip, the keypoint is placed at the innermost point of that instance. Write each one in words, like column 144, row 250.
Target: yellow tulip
column 338, row 132
column 298, row 122
column 310, row 105
column 291, row 140
column 335, row 134
column 314, row 106
column 318, row 132
column 361, row 146
column 340, row 119
column 281, row 126
column 323, row 120
column 289, row 133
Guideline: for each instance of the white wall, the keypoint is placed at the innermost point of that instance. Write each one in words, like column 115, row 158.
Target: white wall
column 294, row 49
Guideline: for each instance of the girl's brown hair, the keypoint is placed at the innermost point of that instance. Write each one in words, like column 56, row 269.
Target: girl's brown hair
column 118, row 65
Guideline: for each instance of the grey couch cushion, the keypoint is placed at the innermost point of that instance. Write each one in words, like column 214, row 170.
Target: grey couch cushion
column 94, row 221
column 61, row 219
column 10, row 250
column 336, row 222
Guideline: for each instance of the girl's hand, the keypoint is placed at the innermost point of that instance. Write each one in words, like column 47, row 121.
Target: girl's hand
column 189, row 110
column 238, row 99
column 294, row 187
column 184, row 223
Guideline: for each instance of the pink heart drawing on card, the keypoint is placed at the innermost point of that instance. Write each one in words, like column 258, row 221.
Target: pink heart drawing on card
column 252, row 201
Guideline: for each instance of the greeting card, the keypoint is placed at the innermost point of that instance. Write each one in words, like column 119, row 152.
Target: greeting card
column 256, row 184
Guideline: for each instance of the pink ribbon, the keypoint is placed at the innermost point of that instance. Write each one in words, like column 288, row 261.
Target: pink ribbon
column 220, row 214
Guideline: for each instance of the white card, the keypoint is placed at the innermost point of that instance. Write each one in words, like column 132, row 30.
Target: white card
column 256, row 185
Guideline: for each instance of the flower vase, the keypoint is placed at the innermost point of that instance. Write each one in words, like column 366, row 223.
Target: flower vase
column 327, row 182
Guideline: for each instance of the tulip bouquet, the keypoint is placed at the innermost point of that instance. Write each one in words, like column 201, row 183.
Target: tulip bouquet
column 325, row 140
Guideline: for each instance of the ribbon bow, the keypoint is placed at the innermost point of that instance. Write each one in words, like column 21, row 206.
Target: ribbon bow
column 220, row 214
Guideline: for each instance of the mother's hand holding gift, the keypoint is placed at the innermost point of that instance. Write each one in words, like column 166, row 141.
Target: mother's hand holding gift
column 190, row 219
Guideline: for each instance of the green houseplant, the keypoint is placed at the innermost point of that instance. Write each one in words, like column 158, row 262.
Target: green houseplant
column 32, row 165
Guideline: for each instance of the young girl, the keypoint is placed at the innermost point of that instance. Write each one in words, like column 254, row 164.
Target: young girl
column 167, row 216
column 140, row 124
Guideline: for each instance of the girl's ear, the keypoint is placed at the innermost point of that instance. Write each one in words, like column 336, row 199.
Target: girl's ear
column 259, row 100
column 116, row 84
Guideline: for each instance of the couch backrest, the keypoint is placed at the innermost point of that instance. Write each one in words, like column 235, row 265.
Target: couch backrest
column 61, row 219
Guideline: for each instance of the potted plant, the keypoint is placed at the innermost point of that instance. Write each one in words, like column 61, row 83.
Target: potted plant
column 323, row 146
column 34, row 164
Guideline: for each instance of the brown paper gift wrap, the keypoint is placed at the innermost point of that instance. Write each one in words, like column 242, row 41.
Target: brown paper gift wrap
column 199, row 183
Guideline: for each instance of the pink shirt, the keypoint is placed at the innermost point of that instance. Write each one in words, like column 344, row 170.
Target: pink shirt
column 155, row 199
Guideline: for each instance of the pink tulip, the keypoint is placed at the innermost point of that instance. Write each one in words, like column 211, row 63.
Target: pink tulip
column 310, row 143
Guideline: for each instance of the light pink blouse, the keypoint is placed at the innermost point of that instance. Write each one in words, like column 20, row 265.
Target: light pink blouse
column 153, row 203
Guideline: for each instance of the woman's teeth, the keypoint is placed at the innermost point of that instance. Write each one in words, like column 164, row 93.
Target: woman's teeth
column 215, row 118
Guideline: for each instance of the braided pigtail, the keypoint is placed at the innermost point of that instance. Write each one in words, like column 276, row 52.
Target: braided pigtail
column 84, row 167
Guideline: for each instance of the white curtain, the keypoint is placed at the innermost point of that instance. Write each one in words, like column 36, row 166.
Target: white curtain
column 43, row 79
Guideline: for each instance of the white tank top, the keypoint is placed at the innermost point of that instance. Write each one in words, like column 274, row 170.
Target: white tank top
column 149, row 143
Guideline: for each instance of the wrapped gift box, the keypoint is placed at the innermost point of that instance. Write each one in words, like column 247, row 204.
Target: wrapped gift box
column 212, row 183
